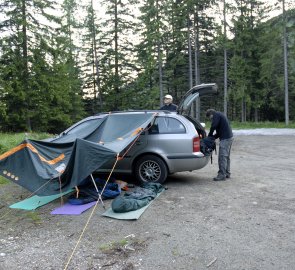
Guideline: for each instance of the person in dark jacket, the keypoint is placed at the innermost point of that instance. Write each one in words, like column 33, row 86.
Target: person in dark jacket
column 223, row 131
column 169, row 106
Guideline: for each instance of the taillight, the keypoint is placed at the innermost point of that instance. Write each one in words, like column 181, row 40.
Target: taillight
column 196, row 144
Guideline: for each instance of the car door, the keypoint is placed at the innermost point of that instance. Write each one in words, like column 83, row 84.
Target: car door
column 124, row 123
column 193, row 94
column 136, row 147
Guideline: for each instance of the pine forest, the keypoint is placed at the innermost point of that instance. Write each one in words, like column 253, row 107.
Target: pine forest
column 63, row 60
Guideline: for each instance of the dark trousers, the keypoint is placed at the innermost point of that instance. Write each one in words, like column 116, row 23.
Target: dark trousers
column 224, row 157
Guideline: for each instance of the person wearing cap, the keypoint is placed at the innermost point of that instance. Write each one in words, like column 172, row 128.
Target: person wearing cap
column 169, row 106
column 223, row 131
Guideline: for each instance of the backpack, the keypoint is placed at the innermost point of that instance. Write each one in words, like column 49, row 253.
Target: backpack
column 208, row 145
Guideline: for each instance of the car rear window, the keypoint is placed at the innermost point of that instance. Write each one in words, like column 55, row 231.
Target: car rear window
column 167, row 125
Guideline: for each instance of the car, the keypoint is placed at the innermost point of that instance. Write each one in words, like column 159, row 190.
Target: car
column 169, row 144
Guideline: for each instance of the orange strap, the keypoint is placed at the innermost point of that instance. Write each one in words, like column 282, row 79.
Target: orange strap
column 34, row 150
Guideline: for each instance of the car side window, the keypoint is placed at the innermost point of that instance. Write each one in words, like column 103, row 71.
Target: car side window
column 167, row 125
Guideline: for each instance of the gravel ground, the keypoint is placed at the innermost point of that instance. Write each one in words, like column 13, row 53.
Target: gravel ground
column 246, row 222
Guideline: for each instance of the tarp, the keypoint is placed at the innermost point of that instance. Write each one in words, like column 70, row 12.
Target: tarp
column 47, row 168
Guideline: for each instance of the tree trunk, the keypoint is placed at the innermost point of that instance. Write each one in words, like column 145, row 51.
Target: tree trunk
column 159, row 58
column 96, row 61
column 197, row 69
column 197, row 48
column 189, row 54
column 285, row 68
column 116, row 57
column 25, row 65
column 225, row 61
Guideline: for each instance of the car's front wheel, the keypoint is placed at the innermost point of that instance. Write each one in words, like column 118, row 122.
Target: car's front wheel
column 151, row 168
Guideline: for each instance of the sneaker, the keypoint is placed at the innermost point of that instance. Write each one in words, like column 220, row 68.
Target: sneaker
column 219, row 178
column 228, row 176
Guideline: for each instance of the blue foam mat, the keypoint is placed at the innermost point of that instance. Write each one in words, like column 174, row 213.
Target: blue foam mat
column 36, row 201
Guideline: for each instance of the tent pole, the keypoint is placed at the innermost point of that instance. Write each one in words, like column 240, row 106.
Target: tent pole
column 99, row 195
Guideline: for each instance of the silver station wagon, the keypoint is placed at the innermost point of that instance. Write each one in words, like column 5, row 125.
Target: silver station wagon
column 169, row 144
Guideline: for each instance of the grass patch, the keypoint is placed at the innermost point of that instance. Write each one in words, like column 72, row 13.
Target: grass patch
column 10, row 140
column 253, row 125
column 175, row 252
column 35, row 217
column 123, row 246
column 3, row 181
column 115, row 245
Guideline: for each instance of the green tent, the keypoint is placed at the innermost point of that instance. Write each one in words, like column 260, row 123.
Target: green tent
column 59, row 164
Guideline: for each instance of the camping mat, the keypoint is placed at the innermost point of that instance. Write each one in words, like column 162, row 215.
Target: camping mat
column 36, row 201
column 71, row 209
column 129, row 215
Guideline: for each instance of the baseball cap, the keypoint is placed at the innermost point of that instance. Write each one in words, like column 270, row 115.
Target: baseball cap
column 168, row 96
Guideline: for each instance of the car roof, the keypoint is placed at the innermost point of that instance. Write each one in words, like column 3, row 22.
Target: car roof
column 136, row 111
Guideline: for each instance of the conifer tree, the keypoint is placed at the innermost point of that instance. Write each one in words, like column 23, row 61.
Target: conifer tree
column 25, row 26
column 117, row 62
column 150, row 52
column 92, row 68
column 70, row 52
column 272, row 67
column 244, row 65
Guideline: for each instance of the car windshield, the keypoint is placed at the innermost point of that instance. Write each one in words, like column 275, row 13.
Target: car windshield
column 84, row 130
column 86, row 126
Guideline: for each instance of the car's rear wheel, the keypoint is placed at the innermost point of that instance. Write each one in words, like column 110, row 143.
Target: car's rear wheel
column 151, row 168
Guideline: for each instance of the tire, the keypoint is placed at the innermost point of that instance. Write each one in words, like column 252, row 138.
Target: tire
column 151, row 169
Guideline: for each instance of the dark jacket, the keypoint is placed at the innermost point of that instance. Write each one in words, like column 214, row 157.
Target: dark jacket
column 171, row 107
column 222, row 127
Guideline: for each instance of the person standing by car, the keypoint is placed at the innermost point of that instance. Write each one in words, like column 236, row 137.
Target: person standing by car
column 169, row 106
column 223, row 131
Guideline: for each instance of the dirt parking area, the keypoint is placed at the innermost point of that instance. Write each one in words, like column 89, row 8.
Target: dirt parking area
column 246, row 222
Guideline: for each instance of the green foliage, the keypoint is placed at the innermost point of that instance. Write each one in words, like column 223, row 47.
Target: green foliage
column 271, row 76
column 268, row 124
column 117, row 64
column 34, row 217
column 113, row 246
column 39, row 86
column 3, row 181
column 49, row 76
column 10, row 140
column 253, row 125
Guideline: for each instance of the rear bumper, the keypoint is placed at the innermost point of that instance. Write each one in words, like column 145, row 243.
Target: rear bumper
column 179, row 163
column 192, row 156
column 175, row 163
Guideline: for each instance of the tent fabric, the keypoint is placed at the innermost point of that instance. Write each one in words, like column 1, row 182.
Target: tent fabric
column 47, row 168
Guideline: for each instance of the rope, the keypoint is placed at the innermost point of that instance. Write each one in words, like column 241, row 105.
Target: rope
column 31, row 194
column 81, row 235
column 94, row 208
column 90, row 216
